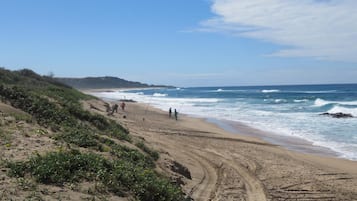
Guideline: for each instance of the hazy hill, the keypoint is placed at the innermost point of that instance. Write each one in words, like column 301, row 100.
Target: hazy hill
column 106, row 82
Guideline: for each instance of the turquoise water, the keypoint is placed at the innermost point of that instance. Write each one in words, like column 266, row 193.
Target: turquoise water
column 283, row 110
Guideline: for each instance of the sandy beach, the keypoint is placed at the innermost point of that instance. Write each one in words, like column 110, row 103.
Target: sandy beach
column 225, row 166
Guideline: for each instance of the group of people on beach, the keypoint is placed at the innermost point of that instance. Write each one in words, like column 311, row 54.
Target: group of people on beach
column 114, row 108
column 175, row 113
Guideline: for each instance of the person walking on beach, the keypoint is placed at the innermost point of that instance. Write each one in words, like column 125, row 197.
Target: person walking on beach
column 122, row 105
column 176, row 113
column 115, row 108
column 170, row 112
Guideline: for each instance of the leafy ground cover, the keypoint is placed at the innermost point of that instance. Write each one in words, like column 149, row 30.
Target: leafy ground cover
column 57, row 107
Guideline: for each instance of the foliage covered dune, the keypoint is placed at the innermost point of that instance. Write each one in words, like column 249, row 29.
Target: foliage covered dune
column 87, row 148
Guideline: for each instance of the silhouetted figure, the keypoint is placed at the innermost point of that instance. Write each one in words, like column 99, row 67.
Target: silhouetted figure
column 115, row 108
column 176, row 113
column 170, row 112
column 107, row 107
column 122, row 105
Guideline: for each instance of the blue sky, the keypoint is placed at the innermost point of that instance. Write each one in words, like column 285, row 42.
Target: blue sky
column 184, row 42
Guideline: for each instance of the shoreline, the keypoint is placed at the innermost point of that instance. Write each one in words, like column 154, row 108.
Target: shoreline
column 289, row 142
column 301, row 149
column 228, row 166
column 292, row 143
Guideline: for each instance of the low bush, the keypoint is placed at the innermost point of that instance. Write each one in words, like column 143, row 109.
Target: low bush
column 146, row 149
column 118, row 176
column 79, row 136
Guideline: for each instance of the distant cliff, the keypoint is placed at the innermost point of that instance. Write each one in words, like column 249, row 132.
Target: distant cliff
column 102, row 83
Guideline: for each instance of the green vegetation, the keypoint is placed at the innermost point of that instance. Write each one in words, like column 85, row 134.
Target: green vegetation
column 152, row 153
column 117, row 176
column 4, row 138
column 58, row 107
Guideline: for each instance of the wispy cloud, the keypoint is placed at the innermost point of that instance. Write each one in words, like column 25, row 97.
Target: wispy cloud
column 323, row 29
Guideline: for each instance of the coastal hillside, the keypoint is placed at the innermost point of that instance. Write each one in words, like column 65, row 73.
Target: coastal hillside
column 54, row 148
column 106, row 82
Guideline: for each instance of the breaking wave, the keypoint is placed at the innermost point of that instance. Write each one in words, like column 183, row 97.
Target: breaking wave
column 159, row 95
column 321, row 102
column 270, row 90
column 337, row 109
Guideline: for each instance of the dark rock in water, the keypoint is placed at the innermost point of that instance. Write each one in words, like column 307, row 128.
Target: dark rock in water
column 337, row 115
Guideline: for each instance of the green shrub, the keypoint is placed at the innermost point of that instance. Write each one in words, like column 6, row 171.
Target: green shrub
column 17, row 169
column 133, row 156
column 60, row 167
column 118, row 176
column 144, row 183
column 79, row 136
column 146, row 149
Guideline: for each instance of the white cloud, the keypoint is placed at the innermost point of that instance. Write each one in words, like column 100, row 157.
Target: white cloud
column 323, row 29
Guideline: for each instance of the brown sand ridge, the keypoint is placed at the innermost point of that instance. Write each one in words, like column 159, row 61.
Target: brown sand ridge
column 212, row 164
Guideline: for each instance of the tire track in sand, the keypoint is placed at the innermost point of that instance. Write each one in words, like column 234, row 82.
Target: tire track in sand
column 204, row 189
column 207, row 185
column 254, row 188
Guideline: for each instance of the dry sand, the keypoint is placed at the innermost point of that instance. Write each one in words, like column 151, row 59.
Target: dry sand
column 224, row 166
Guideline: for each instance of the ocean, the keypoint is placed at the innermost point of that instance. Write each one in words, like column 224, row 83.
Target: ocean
column 287, row 111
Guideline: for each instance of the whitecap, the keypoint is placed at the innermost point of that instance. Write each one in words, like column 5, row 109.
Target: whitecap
column 321, row 102
column 280, row 101
column 338, row 109
column 317, row 92
column 300, row 101
column 159, row 95
column 270, row 90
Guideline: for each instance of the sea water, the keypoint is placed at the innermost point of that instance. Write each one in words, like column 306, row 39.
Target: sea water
column 283, row 110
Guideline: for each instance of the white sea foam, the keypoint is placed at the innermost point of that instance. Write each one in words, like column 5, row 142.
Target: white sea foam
column 321, row 102
column 159, row 95
column 280, row 101
column 226, row 90
column 270, row 90
column 300, row 100
column 317, row 92
column 337, row 109
column 345, row 150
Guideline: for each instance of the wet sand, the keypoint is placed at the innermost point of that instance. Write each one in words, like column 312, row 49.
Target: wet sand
column 289, row 142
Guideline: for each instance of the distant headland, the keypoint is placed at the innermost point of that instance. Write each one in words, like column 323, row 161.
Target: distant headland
column 106, row 82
